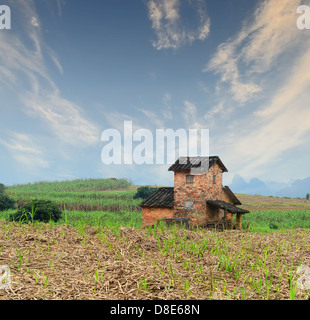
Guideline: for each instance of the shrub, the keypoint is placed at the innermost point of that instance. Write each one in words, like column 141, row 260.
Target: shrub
column 273, row 226
column 144, row 192
column 37, row 210
column 5, row 201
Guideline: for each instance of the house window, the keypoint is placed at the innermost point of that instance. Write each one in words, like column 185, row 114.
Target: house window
column 189, row 178
column 188, row 205
column 223, row 213
column 214, row 179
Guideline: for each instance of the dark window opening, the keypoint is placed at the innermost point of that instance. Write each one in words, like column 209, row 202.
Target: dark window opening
column 214, row 179
column 189, row 179
column 223, row 213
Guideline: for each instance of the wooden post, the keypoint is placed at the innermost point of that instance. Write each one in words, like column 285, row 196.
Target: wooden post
column 239, row 221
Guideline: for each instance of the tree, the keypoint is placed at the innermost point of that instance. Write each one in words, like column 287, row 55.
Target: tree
column 2, row 188
column 6, row 202
column 144, row 192
column 39, row 210
column 308, row 196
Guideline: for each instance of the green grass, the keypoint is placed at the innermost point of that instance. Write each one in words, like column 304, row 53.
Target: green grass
column 94, row 218
column 268, row 221
column 275, row 220
column 94, row 202
column 110, row 202
column 80, row 195
column 78, row 185
column 102, row 219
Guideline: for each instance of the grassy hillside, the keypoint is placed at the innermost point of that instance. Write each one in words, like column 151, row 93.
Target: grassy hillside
column 80, row 195
column 274, row 214
column 262, row 203
column 110, row 202
column 90, row 201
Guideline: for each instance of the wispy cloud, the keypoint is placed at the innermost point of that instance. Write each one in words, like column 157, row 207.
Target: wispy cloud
column 167, row 111
column 153, row 117
column 35, row 22
column 254, row 50
column 63, row 117
column 168, row 23
column 55, row 59
column 267, row 58
column 190, row 113
column 25, row 150
column 60, row 5
column 24, row 58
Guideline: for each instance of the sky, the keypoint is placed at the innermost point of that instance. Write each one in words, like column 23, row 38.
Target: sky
column 71, row 69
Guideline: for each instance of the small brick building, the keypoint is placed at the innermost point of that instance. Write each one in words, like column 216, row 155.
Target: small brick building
column 198, row 195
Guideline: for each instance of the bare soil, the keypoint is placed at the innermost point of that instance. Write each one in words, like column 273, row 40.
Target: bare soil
column 64, row 263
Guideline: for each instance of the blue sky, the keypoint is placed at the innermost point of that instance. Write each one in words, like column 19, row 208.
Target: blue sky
column 69, row 69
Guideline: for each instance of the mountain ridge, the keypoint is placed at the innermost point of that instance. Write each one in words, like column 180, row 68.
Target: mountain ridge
column 296, row 189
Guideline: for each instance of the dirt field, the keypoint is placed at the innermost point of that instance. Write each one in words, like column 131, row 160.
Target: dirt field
column 62, row 262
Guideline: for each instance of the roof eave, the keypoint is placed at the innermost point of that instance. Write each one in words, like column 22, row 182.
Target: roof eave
column 227, row 206
column 233, row 197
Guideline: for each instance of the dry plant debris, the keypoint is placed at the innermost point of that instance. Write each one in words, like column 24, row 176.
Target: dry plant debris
column 62, row 262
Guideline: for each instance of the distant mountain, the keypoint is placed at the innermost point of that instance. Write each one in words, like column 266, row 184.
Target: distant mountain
column 255, row 186
column 239, row 185
column 299, row 188
column 275, row 187
column 294, row 189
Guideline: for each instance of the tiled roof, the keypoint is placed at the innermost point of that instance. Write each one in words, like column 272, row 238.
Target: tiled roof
column 188, row 163
column 232, row 196
column 226, row 206
column 162, row 198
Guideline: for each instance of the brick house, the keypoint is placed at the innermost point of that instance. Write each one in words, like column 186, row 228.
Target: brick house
column 198, row 195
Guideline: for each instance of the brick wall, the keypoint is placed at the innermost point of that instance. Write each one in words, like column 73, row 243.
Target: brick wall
column 198, row 192
column 225, row 197
column 201, row 190
column 149, row 215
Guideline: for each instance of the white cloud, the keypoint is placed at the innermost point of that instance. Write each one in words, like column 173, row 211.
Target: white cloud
column 55, row 60
column 192, row 117
column 270, row 33
column 22, row 61
column 25, row 150
column 217, row 109
column 267, row 58
column 275, row 129
column 168, row 23
column 189, row 113
column 153, row 118
column 63, row 117
column 35, row 22
column 60, row 5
